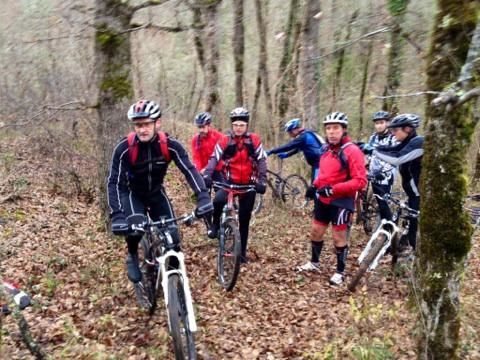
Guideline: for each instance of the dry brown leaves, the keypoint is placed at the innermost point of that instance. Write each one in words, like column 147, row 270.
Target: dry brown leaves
column 54, row 245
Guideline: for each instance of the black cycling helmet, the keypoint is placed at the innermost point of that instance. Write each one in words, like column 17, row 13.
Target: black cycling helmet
column 240, row 113
column 381, row 115
column 202, row 119
column 144, row 109
column 402, row 120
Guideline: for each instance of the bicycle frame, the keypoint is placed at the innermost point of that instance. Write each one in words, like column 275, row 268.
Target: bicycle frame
column 159, row 230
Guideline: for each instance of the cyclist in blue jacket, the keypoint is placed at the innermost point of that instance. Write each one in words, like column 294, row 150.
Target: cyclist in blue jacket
column 305, row 140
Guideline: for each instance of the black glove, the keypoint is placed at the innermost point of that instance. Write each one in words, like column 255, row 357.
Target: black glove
column 325, row 191
column 119, row 224
column 204, row 205
column 311, row 192
column 207, row 179
column 260, row 187
column 379, row 176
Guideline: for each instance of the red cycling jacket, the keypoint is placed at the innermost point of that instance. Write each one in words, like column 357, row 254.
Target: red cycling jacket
column 202, row 149
column 244, row 160
column 345, row 179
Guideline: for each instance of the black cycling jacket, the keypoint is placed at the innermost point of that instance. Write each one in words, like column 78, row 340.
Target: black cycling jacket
column 408, row 157
column 145, row 177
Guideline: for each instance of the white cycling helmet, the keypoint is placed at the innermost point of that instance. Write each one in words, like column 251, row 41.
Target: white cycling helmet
column 336, row 118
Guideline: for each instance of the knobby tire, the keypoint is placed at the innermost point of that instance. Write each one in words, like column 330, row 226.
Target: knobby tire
column 377, row 246
column 293, row 191
column 228, row 259
column 183, row 338
column 149, row 275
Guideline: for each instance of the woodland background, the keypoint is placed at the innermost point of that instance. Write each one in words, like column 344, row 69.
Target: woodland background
column 63, row 102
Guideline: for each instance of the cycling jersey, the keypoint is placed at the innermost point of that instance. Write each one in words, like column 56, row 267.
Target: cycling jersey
column 308, row 142
column 407, row 155
column 378, row 166
column 202, row 148
column 344, row 180
column 145, row 177
column 244, row 160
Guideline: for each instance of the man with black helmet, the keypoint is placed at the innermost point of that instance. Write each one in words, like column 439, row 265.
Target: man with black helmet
column 244, row 162
column 407, row 155
column 139, row 165
column 381, row 173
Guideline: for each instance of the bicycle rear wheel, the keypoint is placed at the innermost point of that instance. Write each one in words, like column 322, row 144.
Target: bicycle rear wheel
column 228, row 259
column 183, row 337
column 293, row 191
column 145, row 290
column 372, row 254
column 258, row 205
column 370, row 212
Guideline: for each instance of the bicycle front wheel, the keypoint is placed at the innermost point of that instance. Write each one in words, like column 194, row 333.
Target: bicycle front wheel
column 183, row 337
column 145, row 290
column 293, row 191
column 258, row 205
column 372, row 254
column 228, row 260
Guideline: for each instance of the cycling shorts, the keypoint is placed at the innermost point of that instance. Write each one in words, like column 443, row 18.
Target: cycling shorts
column 325, row 214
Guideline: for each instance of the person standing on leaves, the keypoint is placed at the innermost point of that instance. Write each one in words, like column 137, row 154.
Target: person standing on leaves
column 407, row 155
column 244, row 162
column 305, row 140
column 341, row 175
column 381, row 172
column 135, row 184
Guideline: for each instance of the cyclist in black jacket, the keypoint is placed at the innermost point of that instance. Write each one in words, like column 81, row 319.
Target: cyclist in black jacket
column 407, row 155
column 135, row 184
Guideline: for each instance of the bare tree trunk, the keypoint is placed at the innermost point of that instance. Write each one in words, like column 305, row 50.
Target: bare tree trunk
column 366, row 61
column 238, row 49
column 286, row 76
column 113, row 64
column 310, row 71
column 445, row 228
column 213, row 55
column 397, row 9
column 340, row 60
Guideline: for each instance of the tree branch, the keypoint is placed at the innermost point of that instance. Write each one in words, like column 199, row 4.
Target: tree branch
column 419, row 93
column 147, row 4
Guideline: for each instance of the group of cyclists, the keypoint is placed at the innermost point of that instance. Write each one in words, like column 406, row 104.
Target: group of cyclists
column 140, row 161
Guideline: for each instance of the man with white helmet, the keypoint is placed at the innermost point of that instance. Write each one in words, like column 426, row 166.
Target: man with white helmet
column 305, row 140
column 137, row 170
column 244, row 163
column 340, row 176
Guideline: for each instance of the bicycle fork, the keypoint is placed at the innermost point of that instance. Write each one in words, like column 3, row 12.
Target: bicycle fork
column 164, row 274
column 388, row 240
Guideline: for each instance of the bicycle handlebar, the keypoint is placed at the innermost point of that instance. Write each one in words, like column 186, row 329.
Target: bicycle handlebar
column 225, row 186
column 188, row 218
column 402, row 204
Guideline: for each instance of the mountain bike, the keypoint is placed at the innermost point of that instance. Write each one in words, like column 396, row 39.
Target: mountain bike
column 290, row 190
column 163, row 270
column 229, row 244
column 388, row 236
column 366, row 208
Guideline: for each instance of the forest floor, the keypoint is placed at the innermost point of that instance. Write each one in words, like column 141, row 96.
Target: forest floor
column 53, row 243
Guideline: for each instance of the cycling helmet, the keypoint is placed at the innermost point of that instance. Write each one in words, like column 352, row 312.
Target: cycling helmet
column 336, row 118
column 144, row 109
column 204, row 118
column 402, row 120
column 381, row 115
column 240, row 113
column 292, row 124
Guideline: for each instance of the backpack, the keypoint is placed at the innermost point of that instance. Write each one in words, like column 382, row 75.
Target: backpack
column 316, row 136
column 341, row 156
column 231, row 148
column 133, row 146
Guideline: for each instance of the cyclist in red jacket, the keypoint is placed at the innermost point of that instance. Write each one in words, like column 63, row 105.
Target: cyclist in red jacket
column 204, row 143
column 341, row 174
column 244, row 162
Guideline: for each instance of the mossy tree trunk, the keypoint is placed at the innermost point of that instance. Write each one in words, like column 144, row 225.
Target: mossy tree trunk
column 445, row 228
column 397, row 10
column 310, row 65
column 113, row 64
column 238, row 42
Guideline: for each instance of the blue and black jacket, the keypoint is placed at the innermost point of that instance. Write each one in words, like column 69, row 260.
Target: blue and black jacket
column 308, row 142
